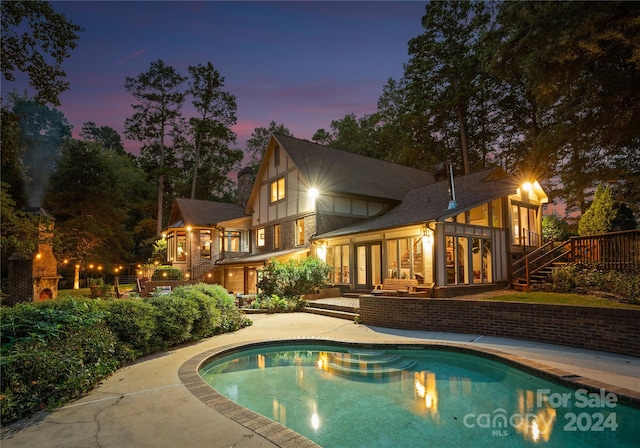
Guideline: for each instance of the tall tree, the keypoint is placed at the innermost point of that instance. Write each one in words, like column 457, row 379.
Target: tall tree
column 95, row 196
column 36, row 40
column 157, row 116
column 42, row 132
column 209, row 132
column 579, row 65
column 105, row 136
column 257, row 143
column 605, row 214
column 444, row 70
column 11, row 154
column 18, row 229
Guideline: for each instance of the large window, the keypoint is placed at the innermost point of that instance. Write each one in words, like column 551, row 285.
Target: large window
column 205, row 244
column 405, row 259
column 457, row 260
column 525, row 228
column 481, row 260
column 277, row 190
column 338, row 258
column 468, row 260
column 232, row 241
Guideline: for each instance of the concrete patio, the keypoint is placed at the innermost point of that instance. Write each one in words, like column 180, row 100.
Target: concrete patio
column 147, row 404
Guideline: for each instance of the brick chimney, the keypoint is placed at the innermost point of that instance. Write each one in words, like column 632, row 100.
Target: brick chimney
column 246, row 178
column 34, row 277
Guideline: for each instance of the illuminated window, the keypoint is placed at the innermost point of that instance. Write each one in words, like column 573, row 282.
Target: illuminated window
column 276, row 237
column 181, row 254
column 232, row 241
column 300, row 232
column 277, row 190
column 205, row 243
column 260, row 237
column 496, row 213
column 479, row 216
column 338, row 257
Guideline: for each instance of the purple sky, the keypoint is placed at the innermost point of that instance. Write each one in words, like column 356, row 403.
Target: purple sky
column 301, row 64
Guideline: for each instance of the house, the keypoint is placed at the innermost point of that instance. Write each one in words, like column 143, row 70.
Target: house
column 371, row 220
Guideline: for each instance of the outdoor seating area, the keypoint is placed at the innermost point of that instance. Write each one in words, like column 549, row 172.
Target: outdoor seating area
column 402, row 287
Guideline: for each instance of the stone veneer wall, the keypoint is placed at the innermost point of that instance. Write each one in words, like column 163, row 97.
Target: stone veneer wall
column 604, row 329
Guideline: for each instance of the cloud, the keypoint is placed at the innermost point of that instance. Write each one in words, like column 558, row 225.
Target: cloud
column 132, row 56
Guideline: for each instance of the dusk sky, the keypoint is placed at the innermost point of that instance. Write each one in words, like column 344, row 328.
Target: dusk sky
column 301, row 64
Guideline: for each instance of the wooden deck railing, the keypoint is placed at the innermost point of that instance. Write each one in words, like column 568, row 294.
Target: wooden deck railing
column 616, row 251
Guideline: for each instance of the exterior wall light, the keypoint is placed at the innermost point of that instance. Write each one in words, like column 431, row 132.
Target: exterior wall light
column 313, row 193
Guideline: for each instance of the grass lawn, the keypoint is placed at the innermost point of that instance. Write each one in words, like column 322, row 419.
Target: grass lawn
column 86, row 292
column 556, row 298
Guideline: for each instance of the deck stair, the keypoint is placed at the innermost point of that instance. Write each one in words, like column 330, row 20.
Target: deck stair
column 376, row 364
column 534, row 270
column 331, row 310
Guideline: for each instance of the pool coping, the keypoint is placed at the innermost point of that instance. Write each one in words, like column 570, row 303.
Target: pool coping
column 285, row 437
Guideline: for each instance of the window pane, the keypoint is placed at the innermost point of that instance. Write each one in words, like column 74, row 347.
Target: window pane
column 461, row 260
column 496, row 213
column 451, row 260
column 281, row 188
column 345, row 264
column 300, row 232
column 260, row 237
column 182, row 247
column 405, row 258
column 362, row 265
column 276, row 236
column 516, row 224
column 392, row 259
column 418, row 264
column 479, row 216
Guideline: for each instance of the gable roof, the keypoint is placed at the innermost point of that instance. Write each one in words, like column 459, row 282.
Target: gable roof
column 335, row 171
column 201, row 213
column 430, row 202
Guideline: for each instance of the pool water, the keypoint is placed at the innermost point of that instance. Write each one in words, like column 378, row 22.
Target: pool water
column 352, row 397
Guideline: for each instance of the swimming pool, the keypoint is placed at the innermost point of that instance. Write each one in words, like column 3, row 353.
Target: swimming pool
column 348, row 396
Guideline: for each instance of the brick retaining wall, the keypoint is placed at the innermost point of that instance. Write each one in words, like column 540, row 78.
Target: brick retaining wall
column 605, row 329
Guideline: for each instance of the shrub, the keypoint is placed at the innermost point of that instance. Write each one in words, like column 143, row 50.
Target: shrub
column 294, row 278
column 56, row 350
column 207, row 315
column 134, row 324
column 223, row 299
column 167, row 273
column 51, row 352
column 174, row 317
column 278, row 304
column 584, row 278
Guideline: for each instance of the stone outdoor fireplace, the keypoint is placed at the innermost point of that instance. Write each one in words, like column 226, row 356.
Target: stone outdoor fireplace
column 34, row 277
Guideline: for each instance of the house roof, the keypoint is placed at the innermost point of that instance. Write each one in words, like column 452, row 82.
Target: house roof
column 261, row 258
column 430, row 202
column 335, row 171
column 197, row 212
